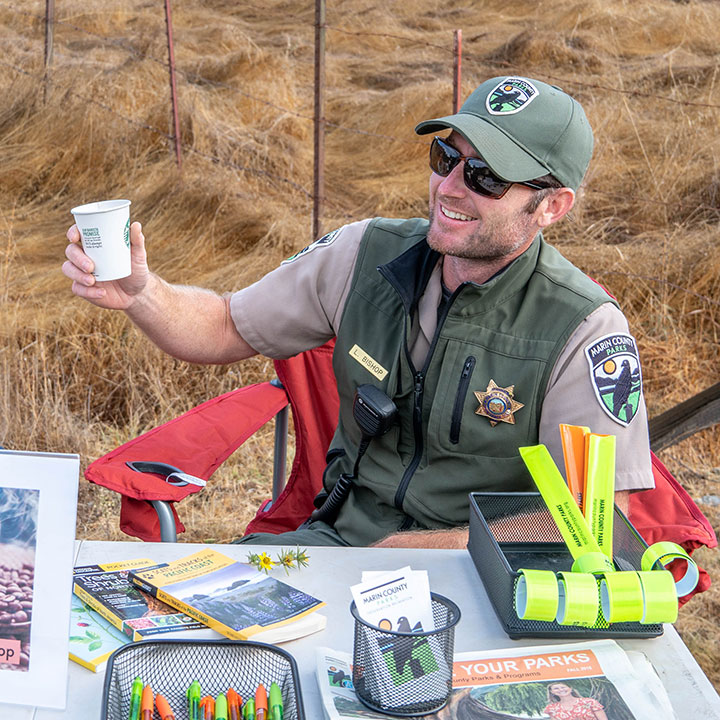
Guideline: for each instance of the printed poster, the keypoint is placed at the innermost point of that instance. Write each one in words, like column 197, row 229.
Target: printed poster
column 38, row 504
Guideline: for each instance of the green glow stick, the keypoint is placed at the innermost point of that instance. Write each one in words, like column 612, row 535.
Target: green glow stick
column 564, row 510
column 599, row 496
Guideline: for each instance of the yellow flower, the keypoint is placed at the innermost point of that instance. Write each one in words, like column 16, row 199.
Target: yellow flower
column 265, row 562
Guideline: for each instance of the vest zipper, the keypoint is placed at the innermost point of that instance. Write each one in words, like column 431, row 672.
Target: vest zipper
column 417, row 432
column 457, row 412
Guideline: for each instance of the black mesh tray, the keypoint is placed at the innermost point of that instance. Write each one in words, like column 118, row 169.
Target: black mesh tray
column 169, row 666
column 499, row 553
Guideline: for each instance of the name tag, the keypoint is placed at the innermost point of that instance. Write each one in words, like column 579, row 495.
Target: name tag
column 372, row 366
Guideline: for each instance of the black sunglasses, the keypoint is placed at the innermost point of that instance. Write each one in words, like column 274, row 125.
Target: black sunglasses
column 477, row 174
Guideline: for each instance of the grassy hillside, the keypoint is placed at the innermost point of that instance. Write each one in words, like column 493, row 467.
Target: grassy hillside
column 77, row 379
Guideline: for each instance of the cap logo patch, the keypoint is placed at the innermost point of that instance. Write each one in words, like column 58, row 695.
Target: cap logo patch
column 615, row 373
column 324, row 241
column 510, row 96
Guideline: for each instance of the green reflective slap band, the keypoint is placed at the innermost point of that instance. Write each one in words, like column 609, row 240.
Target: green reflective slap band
column 562, row 507
column 621, row 597
column 659, row 597
column 665, row 552
column 536, row 595
column 599, row 495
column 578, row 599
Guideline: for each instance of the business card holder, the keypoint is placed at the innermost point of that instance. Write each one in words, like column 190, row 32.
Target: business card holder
column 169, row 666
column 501, row 528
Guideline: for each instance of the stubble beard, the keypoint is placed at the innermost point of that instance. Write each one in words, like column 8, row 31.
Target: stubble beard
column 490, row 242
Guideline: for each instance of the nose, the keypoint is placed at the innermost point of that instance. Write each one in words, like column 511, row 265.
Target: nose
column 453, row 185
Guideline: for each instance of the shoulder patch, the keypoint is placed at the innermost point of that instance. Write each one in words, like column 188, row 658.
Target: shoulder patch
column 324, row 241
column 615, row 374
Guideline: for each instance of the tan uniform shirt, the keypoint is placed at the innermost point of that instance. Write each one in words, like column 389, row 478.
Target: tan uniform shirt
column 299, row 305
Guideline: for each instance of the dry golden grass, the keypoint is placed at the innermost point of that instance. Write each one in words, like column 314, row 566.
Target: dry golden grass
column 76, row 379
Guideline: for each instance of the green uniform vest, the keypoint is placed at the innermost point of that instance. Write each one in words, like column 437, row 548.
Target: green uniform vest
column 510, row 330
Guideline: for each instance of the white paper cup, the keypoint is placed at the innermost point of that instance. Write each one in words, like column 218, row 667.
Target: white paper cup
column 105, row 233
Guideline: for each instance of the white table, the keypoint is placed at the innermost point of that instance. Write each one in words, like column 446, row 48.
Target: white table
column 331, row 573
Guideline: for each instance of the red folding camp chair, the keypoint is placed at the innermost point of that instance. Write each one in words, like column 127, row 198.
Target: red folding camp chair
column 197, row 442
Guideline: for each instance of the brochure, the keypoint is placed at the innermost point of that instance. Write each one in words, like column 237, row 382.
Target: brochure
column 398, row 600
column 107, row 590
column 92, row 638
column 545, row 681
column 232, row 597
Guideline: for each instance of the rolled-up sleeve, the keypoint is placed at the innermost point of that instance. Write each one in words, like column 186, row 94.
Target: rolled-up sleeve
column 298, row 305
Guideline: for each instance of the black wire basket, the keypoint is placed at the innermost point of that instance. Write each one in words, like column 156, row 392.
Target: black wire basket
column 169, row 666
column 405, row 673
column 500, row 524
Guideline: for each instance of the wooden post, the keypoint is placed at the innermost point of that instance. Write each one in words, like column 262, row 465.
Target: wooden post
column 173, row 85
column 457, row 71
column 319, row 124
column 49, row 30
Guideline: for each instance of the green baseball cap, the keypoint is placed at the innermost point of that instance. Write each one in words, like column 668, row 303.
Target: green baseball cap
column 523, row 129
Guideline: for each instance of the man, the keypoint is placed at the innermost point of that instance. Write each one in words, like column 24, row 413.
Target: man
column 484, row 336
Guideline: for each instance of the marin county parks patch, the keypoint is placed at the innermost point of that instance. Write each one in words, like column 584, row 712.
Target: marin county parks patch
column 324, row 241
column 615, row 372
column 510, row 96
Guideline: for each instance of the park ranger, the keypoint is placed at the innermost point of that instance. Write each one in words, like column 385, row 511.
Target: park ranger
column 482, row 334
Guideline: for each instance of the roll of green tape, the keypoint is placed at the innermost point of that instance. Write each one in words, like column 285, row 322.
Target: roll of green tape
column 578, row 599
column 536, row 595
column 664, row 553
column 621, row 597
column 660, row 601
column 596, row 563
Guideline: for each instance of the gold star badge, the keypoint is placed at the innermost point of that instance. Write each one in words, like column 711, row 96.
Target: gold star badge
column 498, row 404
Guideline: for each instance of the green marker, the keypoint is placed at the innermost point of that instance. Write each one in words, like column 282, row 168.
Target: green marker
column 221, row 707
column 193, row 696
column 249, row 710
column 136, row 698
column 276, row 702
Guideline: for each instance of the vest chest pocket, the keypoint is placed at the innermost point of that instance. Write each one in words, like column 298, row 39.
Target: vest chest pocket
column 460, row 395
column 483, row 404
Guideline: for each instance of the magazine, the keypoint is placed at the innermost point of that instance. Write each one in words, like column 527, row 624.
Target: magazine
column 107, row 590
column 518, row 683
column 233, row 598
column 92, row 638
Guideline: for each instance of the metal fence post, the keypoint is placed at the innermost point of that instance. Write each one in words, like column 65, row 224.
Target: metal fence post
column 49, row 31
column 457, row 70
column 173, row 85
column 319, row 123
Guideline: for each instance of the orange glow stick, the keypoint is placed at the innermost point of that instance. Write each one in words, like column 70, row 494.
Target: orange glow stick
column 573, row 445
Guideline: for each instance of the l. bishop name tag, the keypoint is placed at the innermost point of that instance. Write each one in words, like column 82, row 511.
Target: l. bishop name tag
column 369, row 363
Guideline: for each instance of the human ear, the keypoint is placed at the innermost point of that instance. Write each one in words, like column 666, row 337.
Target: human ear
column 555, row 206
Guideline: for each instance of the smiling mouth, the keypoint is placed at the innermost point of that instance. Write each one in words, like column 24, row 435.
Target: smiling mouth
column 455, row 215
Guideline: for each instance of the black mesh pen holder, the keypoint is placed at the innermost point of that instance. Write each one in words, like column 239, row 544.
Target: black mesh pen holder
column 405, row 673
column 170, row 665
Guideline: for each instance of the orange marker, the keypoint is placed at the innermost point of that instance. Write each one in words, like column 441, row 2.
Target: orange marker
column 207, row 705
column 234, row 702
column 261, row 703
column 147, row 704
column 163, row 707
